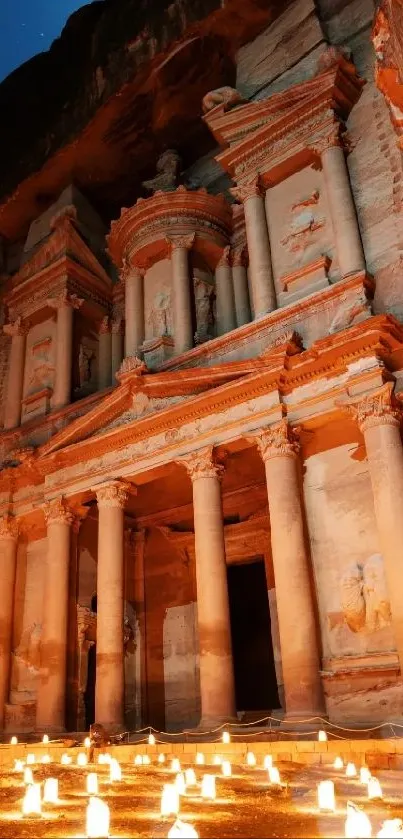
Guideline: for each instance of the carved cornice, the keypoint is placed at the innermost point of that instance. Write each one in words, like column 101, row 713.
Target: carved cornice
column 376, row 409
column 176, row 242
column 202, row 464
column 58, row 512
column 17, row 327
column 279, row 440
column 8, row 528
column 65, row 300
column 114, row 493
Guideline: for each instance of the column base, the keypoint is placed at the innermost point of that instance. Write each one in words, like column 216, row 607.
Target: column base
column 208, row 725
column 303, row 721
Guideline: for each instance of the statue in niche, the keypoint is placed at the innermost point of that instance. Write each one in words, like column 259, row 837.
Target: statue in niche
column 167, row 178
column 204, row 301
column 42, row 370
column 86, row 358
column 364, row 599
column 160, row 315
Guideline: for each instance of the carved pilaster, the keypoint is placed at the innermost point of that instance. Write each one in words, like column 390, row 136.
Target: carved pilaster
column 114, row 494
column 279, row 440
column 380, row 408
column 186, row 242
column 65, row 300
column 58, row 511
column 248, row 190
column 8, row 528
column 16, row 327
column 202, row 464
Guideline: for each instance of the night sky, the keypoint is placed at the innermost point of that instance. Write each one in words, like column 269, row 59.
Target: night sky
column 29, row 26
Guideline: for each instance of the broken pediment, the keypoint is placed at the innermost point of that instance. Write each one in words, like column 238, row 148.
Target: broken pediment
column 143, row 406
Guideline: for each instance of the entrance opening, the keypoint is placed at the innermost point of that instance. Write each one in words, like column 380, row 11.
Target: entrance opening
column 89, row 693
column 252, row 648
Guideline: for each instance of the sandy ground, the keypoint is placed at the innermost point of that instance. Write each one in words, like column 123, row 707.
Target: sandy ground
column 246, row 805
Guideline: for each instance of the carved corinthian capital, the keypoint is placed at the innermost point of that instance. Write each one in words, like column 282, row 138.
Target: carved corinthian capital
column 58, row 512
column 379, row 408
column 17, row 327
column 114, row 494
column 65, row 300
column 8, row 528
column 248, row 190
column 176, row 242
column 202, row 464
column 278, row 440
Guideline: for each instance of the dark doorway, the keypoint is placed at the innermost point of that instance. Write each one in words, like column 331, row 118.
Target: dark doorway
column 89, row 693
column 255, row 676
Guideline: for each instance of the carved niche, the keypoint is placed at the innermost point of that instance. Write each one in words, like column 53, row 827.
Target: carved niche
column 41, row 368
column 205, row 310
column 364, row 598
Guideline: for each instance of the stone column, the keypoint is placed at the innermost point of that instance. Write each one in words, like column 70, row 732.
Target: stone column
column 133, row 278
column 226, row 320
column 349, row 249
column 109, row 686
column 8, row 561
column 51, row 699
column 105, row 354
column 182, row 302
column 241, row 288
column 65, row 304
column 117, row 347
column 15, row 382
column 216, row 666
column 275, row 639
column 257, row 235
column 296, row 615
column 379, row 421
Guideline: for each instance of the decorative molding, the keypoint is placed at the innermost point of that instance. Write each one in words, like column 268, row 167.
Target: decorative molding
column 376, row 409
column 16, row 327
column 175, row 242
column 202, row 464
column 105, row 326
column 279, row 440
column 114, row 493
column 131, row 364
column 245, row 191
column 8, row 528
column 58, row 512
column 65, row 300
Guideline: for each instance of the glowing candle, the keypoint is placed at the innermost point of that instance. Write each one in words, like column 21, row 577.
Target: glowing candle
column 151, row 740
column 217, row 760
column 161, row 758
column 351, row 770
column 250, row 759
column 208, row 787
column 45, row 739
column 82, row 759
column 14, row 741
column 391, row 829
column 180, row 783
column 28, row 776
column 31, row 804
column 326, row 799
column 87, row 742
column 175, row 765
column 374, row 789
column 274, row 775
column 30, row 759
column 146, row 760
column 66, row 760
column 226, row 768
column 51, row 791
column 182, row 830
column 169, row 800
column 226, row 737
column 92, row 783
column 322, row 736
column 268, row 762
column 364, row 774
column 115, row 771
column 97, row 819
column 46, row 759
column 338, row 763
column 200, row 759
column 190, row 778
column 19, row 766
column 138, row 760
column 357, row 824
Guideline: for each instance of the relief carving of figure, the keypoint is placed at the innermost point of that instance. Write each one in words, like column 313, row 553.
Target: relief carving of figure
column 86, row 359
column 168, row 173
column 160, row 315
column 364, row 600
column 204, row 301
column 28, row 650
column 41, row 368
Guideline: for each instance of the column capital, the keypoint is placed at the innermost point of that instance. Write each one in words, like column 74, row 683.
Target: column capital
column 16, row 327
column 65, row 300
column 249, row 190
column 225, row 258
column 130, row 269
column 379, row 408
column 202, row 464
column 8, row 528
column 239, row 256
column 175, row 242
column 116, row 326
column 58, row 511
column 105, row 326
column 279, row 440
column 335, row 138
column 114, row 493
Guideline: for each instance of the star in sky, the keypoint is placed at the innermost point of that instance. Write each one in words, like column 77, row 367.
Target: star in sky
column 29, row 26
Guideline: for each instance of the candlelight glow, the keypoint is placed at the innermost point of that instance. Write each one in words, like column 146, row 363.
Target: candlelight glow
column 274, row 775
column 30, row 758
column 357, row 824
column 226, row 769
column 28, row 776
column 92, row 783
column 66, row 760
column 46, row 759
column 51, row 791
column 19, row 766
column 268, row 762
column 115, row 771
column 326, row 799
column 226, row 737
column 151, row 740
column 31, row 803
column 169, row 800
column 374, row 789
column 82, row 759
column 322, row 736
column 87, row 742
column 182, row 830
column 391, row 829
column 250, row 759
column 161, row 758
column 351, row 770
column 14, row 741
column 190, row 778
column 146, row 760
column 97, row 819
column 208, row 787
column 200, row 759
column 45, row 739
column 175, row 765
column 217, row 760
column 338, row 763
column 138, row 760
column 364, row 774
column 180, row 783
